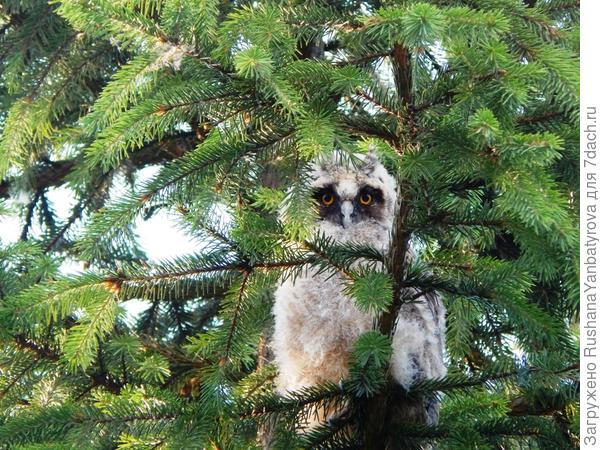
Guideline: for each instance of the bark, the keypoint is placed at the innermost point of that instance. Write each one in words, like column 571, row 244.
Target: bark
column 385, row 411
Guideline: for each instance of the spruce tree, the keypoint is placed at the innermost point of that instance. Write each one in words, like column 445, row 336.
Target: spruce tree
column 471, row 104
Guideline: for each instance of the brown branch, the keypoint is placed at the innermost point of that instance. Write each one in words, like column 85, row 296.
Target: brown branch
column 54, row 173
column 219, row 183
column 380, row 408
column 553, row 32
column 173, row 355
column 29, row 215
column 41, row 352
column 449, row 95
column 521, row 406
column 397, row 264
column 465, row 267
column 46, row 174
column 72, row 219
column 529, row 120
column 474, row 223
column 132, row 418
column 242, row 267
column 104, row 380
column 415, row 389
column 363, row 130
column 76, row 212
column 362, row 59
column 361, row 93
column 402, row 74
column 441, row 219
column 163, row 109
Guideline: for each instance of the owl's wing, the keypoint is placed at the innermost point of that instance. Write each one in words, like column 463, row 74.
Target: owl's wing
column 418, row 350
column 418, row 341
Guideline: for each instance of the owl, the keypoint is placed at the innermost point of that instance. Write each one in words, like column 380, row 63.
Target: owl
column 316, row 324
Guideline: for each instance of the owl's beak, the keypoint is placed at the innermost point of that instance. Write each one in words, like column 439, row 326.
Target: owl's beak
column 346, row 213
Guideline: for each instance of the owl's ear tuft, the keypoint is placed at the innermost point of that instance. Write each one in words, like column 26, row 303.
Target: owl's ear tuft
column 370, row 161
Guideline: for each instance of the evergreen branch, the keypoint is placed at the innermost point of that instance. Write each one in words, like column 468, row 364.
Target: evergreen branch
column 361, row 129
column 47, row 213
column 236, row 313
column 101, row 379
column 460, row 382
column 444, row 219
column 465, row 267
column 55, row 173
column 76, row 72
column 451, row 93
column 14, row 20
column 229, row 169
column 333, row 434
column 45, row 353
column 218, row 99
column 361, row 93
column 551, row 404
column 46, row 423
column 258, row 386
column 242, row 267
column 77, row 212
column 266, row 405
column 23, row 20
column 236, row 267
column 362, row 59
column 512, row 427
column 550, row 30
column 474, row 223
column 545, row 116
column 40, row 351
column 29, row 215
column 206, row 155
column 321, row 254
column 54, row 58
column 477, row 120
column 175, row 356
column 105, row 420
column 378, row 406
column 44, row 175
column 85, row 337
column 561, row 6
column 18, row 377
column 213, row 232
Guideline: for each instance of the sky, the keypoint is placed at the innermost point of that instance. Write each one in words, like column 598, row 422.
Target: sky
column 159, row 237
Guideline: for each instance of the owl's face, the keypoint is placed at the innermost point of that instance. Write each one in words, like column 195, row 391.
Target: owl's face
column 348, row 203
column 354, row 203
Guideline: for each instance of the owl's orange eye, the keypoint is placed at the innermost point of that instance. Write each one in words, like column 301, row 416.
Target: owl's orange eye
column 365, row 199
column 327, row 199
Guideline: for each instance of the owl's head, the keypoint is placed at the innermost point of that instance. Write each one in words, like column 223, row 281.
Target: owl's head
column 354, row 200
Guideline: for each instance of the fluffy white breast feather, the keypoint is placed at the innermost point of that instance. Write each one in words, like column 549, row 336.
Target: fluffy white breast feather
column 316, row 325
